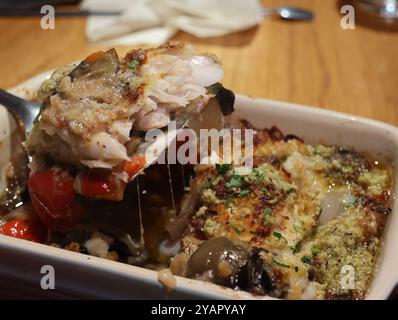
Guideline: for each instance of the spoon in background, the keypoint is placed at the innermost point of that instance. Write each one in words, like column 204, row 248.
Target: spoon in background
column 284, row 12
column 289, row 13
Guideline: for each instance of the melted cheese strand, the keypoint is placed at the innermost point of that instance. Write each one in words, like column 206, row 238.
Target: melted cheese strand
column 142, row 240
column 171, row 191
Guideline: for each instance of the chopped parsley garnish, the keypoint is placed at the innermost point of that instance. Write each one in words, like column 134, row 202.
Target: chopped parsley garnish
column 267, row 211
column 291, row 190
column 278, row 235
column 295, row 248
column 280, row 264
column 125, row 86
column 316, row 152
column 266, row 214
column 244, row 193
column 239, row 230
column 222, row 168
column 349, row 201
column 133, row 64
column 307, row 259
column 314, row 251
column 296, row 228
column 257, row 173
column 235, row 182
column 229, row 201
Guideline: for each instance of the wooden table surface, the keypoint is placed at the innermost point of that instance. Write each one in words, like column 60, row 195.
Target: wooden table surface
column 318, row 63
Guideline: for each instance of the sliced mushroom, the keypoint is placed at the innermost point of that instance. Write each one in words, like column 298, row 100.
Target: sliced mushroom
column 177, row 226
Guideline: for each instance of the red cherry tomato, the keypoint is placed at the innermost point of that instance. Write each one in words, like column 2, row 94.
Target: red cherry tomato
column 54, row 199
column 134, row 165
column 27, row 229
column 101, row 184
column 95, row 183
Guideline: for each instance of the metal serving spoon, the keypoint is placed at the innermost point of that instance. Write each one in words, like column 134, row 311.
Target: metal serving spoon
column 289, row 13
column 22, row 113
column 24, row 110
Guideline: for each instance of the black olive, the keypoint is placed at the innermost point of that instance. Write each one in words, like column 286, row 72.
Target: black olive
column 83, row 250
column 225, row 98
column 121, row 249
column 254, row 277
column 217, row 256
column 221, row 257
column 311, row 274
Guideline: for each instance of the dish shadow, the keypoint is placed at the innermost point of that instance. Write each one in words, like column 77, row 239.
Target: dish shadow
column 369, row 20
column 236, row 39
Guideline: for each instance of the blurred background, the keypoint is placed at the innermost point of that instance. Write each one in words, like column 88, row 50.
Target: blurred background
column 308, row 62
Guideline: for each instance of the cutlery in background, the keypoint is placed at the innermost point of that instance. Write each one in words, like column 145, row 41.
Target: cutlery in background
column 289, row 13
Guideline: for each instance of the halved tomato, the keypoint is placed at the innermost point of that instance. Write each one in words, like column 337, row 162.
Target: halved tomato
column 54, row 199
column 28, row 229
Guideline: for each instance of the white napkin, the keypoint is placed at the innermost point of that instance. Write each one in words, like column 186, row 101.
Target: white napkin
column 153, row 22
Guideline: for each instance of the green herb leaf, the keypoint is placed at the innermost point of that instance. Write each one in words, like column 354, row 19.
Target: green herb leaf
column 307, row 259
column 277, row 235
column 295, row 248
column 125, row 86
column 296, row 228
column 244, row 193
column 228, row 202
column 267, row 211
column 291, row 190
column 314, row 251
column 235, row 182
column 222, row 168
column 133, row 64
column 267, row 214
column 280, row 264
column 239, row 230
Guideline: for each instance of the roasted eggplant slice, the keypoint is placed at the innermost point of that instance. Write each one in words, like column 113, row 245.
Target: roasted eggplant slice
column 98, row 64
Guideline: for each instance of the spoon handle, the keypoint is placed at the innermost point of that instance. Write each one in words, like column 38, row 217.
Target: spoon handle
column 25, row 110
column 289, row 13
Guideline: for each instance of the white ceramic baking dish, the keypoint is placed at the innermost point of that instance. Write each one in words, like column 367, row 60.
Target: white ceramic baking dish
column 78, row 275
